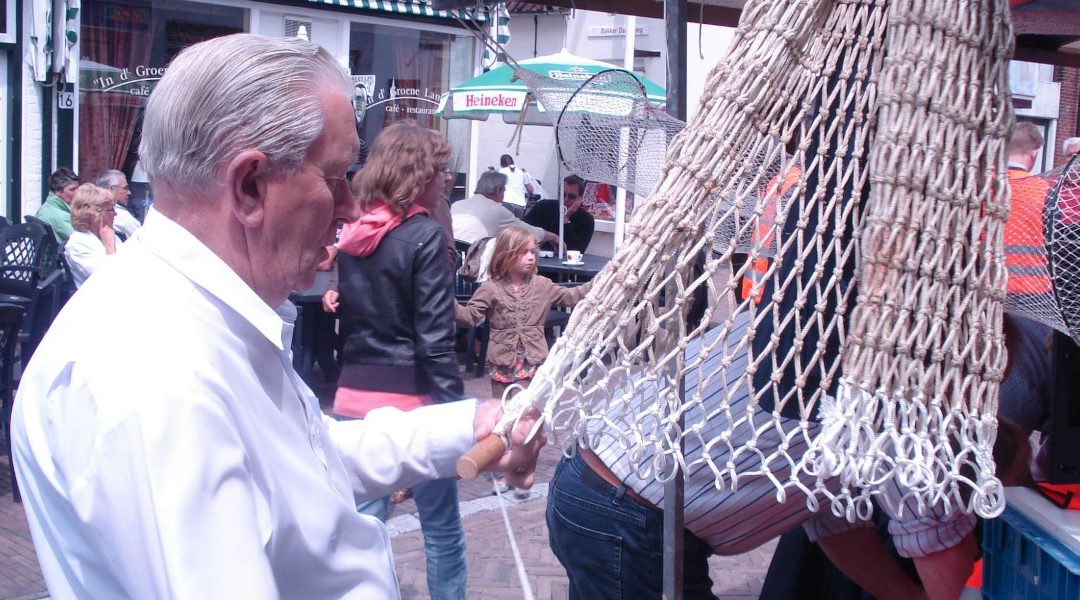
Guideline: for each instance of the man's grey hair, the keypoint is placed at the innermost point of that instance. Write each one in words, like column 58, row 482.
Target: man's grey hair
column 490, row 182
column 233, row 93
column 110, row 179
column 1070, row 146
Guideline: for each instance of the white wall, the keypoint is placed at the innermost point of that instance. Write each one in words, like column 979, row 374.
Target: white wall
column 536, row 152
column 30, row 141
column 546, row 34
column 712, row 43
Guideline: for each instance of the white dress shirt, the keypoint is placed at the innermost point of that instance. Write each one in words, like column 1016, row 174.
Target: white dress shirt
column 125, row 222
column 85, row 252
column 200, row 465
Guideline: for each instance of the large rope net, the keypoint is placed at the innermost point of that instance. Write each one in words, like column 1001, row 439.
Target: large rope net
column 854, row 149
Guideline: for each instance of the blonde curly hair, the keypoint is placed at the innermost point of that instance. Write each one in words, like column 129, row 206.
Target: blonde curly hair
column 401, row 163
column 88, row 204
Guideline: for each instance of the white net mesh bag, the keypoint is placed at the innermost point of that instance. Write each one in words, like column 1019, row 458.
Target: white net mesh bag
column 1042, row 247
column 856, row 148
column 1061, row 223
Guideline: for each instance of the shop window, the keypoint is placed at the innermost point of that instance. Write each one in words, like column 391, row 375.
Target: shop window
column 125, row 47
column 400, row 73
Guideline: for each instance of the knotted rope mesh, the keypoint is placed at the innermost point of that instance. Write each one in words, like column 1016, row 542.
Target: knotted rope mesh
column 858, row 145
column 1042, row 247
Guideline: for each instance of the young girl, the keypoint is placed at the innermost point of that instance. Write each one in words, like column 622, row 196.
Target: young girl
column 516, row 302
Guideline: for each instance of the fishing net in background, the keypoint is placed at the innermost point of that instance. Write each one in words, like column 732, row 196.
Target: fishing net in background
column 858, row 146
column 1042, row 247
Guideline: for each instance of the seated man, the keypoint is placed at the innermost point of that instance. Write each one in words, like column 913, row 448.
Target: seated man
column 578, row 225
column 484, row 215
column 56, row 210
column 116, row 182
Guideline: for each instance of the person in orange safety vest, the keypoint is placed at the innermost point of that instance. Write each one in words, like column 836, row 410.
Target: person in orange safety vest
column 1025, row 241
column 763, row 235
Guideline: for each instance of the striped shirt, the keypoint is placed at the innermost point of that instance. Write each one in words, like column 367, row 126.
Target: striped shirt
column 733, row 522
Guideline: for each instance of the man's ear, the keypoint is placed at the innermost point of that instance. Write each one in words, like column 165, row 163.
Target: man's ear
column 246, row 178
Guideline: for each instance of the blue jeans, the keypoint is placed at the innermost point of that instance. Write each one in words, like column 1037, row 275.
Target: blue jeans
column 612, row 545
column 444, row 537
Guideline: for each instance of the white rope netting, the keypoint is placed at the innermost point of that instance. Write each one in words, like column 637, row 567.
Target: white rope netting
column 1042, row 247
column 856, row 149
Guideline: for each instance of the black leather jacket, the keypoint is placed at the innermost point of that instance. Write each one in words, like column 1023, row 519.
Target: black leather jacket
column 398, row 307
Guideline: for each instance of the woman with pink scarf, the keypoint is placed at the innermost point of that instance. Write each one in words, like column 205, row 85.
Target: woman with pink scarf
column 396, row 295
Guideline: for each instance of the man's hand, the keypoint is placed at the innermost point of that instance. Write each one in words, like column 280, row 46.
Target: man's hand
column 330, row 301
column 518, row 464
column 554, row 240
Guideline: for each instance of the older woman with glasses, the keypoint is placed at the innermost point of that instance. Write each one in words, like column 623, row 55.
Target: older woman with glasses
column 93, row 240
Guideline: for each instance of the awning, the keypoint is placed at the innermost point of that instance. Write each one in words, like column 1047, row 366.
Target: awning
column 416, row 8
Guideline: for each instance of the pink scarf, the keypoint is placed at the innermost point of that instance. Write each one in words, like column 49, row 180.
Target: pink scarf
column 362, row 237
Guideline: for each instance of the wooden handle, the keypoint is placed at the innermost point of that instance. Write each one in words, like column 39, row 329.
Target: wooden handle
column 480, row 456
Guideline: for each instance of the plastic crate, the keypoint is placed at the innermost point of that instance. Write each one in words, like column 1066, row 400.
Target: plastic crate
column 1023, row 561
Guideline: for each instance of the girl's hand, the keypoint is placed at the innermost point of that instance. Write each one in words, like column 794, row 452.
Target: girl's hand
column 330, row 301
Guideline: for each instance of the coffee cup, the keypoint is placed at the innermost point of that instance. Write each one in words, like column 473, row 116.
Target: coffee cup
column 573, row 256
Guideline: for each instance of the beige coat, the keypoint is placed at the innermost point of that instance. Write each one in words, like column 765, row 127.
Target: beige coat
column 517, row 318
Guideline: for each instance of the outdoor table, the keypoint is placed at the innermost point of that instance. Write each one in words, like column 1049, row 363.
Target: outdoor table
column 560, row 271
column 313, row 335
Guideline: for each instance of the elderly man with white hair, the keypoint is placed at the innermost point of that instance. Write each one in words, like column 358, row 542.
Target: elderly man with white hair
column 484, row 215
column 201, row 465
column 115, row 181
column 1070, row 146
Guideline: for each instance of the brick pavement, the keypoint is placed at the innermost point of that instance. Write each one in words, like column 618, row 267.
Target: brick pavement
column 20, row 575
column 490, row 563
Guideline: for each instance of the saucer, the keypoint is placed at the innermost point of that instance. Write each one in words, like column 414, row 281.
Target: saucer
column 572, row 263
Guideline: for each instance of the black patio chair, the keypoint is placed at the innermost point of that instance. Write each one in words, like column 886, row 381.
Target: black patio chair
column 11, row 316
column 24, row 250
column 463, row 290
column 50, row 249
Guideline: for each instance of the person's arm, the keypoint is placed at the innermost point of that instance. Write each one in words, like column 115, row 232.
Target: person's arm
column 506, row 218
column 331, row 299
column 433, row 320
column 108, row 239
column 944, row 573
column 390, row 449
column 477, row 307
column 569, row 296
column 63, row 229
column 552, row 239
column 83, row 259
column 860, row 555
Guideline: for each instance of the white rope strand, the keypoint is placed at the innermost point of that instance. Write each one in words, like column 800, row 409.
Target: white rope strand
column 523, row 577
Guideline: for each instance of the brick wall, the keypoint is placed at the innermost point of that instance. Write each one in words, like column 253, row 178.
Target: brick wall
column 1069, row 78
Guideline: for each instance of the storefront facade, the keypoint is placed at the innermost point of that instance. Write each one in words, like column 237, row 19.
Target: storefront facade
column 402, row 57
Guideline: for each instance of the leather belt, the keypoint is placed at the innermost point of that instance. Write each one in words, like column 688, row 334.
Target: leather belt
column 603, row 472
